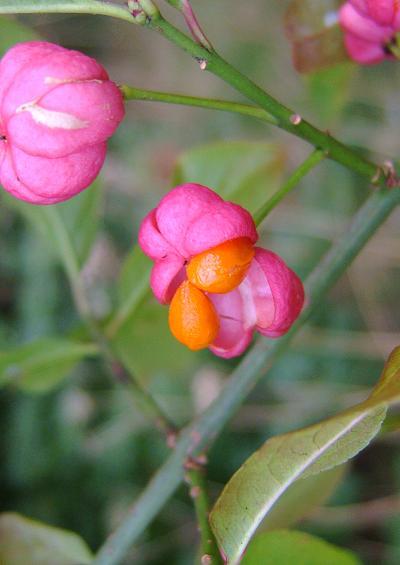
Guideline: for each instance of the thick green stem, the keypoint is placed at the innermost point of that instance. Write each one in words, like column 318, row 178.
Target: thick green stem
column 70, row 262
column 198, row 491
column 286, row 118
column 131, row 93
column 311, row 162
column 243, row 379
column 94, row 7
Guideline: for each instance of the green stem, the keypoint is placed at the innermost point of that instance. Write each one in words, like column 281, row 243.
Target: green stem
column 119, row 372
column 312, row 161
column 194, row 476
column 131, row 93
column 94, row 7
column 286, row 118
column 243, row 379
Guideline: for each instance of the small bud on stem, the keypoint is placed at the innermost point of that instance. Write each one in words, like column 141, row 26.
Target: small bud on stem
column 143, row 10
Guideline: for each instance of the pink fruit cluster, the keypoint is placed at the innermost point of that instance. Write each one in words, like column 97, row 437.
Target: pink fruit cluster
column 370, row 26
column 57, row 110
column 191, row 219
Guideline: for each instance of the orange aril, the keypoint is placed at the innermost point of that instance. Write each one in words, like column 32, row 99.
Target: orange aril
column 193, row 319
column 223, row 267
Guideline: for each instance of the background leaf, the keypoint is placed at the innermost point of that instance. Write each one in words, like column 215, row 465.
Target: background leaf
column 81, row 216
column 268, row 473
column 288, row 547
column 27, row 542
column 317, row 39
column 133, row 285
column 41, row 365
column 13, row 31
column 246, row 172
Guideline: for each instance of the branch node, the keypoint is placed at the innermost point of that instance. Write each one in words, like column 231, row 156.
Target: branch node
column 296, row 119
column 202, row 63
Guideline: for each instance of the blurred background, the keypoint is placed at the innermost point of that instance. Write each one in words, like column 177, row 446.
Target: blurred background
column 75, row 451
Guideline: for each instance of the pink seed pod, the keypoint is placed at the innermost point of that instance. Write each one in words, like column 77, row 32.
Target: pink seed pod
column 369, row 26
column 192, row 219
column 57, row 110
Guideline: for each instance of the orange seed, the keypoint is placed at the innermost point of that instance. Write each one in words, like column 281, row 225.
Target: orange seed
column 222, row 268
column 193, row 319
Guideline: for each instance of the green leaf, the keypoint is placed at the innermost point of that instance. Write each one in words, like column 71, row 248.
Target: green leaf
column 317, row 39
column 288, row 547
column 80, row 215
column 132, row 288
column 302, row 497
column 328, row 102
column 246, row 172
column 147, row 347
column 140, row 327
column 41, row 365
column 269, row 472
column 27, row 542
column 13, row 32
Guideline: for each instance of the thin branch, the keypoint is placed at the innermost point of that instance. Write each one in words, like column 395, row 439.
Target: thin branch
column 243, row 379
column 312, row 161
column 94, row 7
column 131, row 93
column 194, row 476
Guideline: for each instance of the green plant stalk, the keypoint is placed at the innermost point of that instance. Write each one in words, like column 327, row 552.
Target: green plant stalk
column 69, row 260
column 286, row 118
column 94, row 7
column 194, row 476
column 255, row 365
column 131, row 93
column 312, row 161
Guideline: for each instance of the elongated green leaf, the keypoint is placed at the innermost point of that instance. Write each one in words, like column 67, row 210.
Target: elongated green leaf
column 302, row 497
column 246, row 172
column 40, row 365
column 269, row 472
column 27, row 542
column 65, row 7
column 283, row 547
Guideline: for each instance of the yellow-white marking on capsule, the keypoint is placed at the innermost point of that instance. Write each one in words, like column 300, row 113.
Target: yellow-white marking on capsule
column 52, row 118
column 55, row 80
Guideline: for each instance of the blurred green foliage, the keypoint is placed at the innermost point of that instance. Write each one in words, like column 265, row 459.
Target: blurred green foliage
column 76, row 456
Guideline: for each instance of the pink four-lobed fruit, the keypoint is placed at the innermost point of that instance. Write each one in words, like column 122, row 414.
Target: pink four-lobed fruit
column 192, row 219
column 58, row 108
